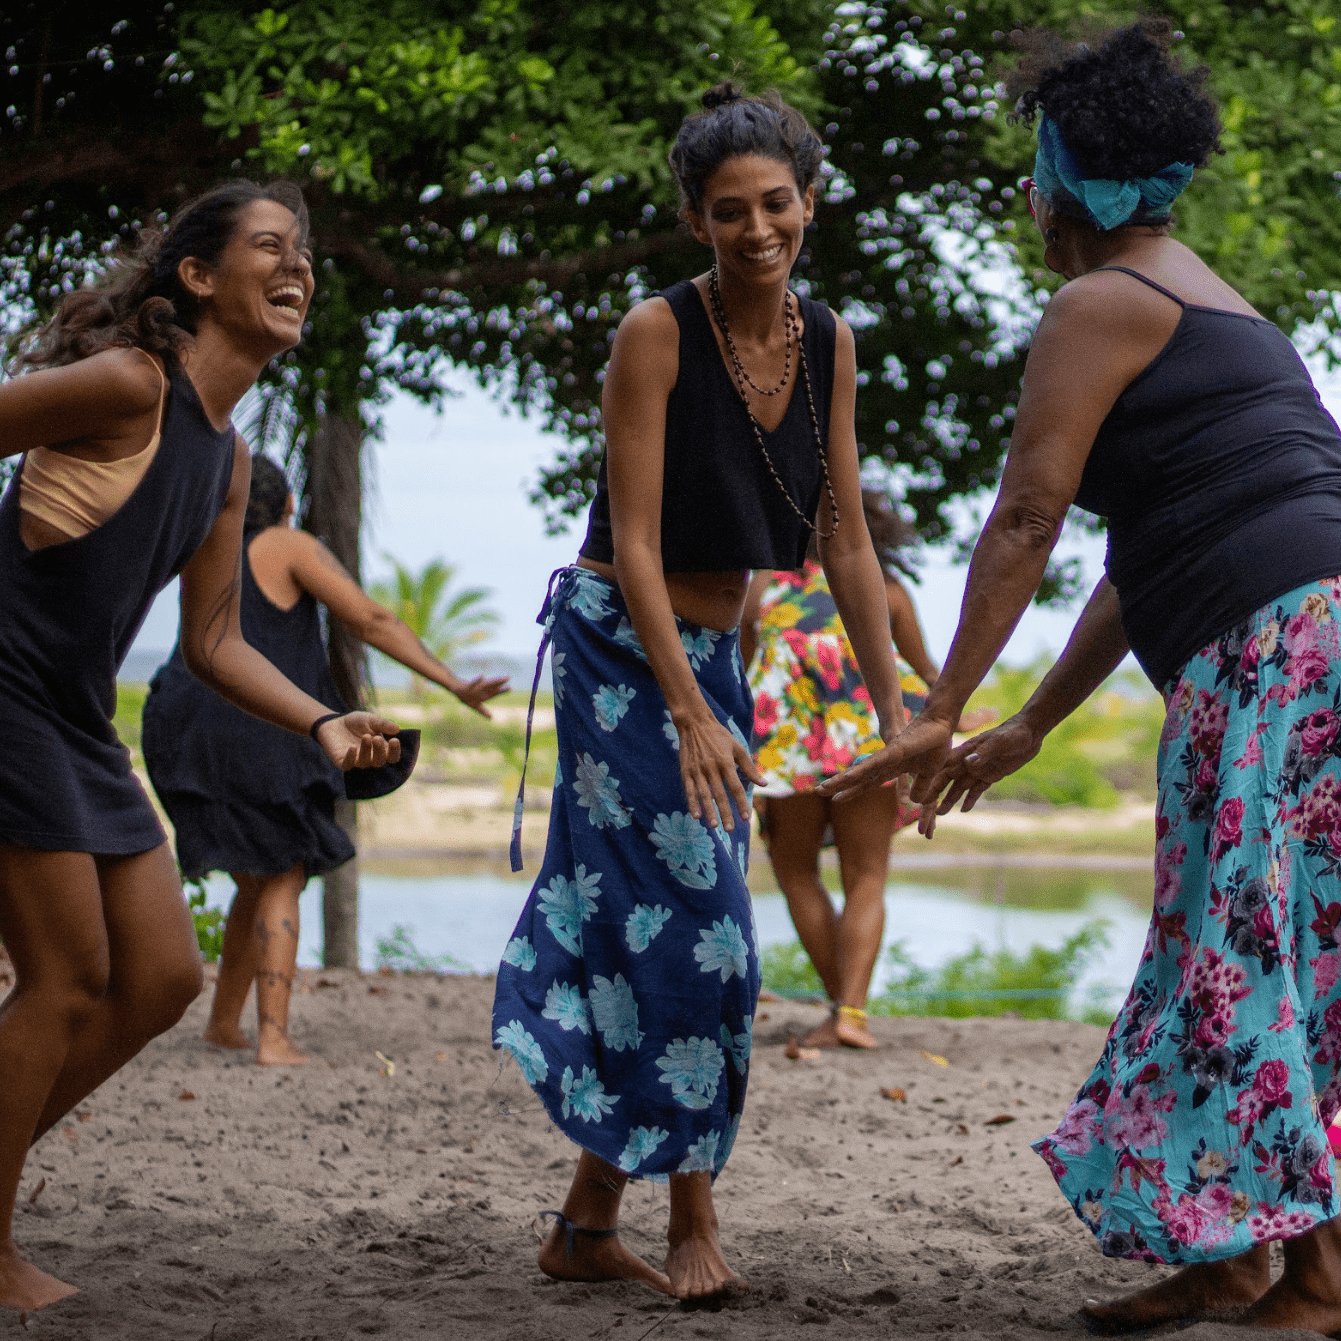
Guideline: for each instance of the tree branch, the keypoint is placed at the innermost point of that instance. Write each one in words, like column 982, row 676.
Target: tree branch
column 409, row 285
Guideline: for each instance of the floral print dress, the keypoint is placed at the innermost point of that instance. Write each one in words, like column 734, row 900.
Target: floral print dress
column 627, row 992
column 813, row 716
column 1202, row 1131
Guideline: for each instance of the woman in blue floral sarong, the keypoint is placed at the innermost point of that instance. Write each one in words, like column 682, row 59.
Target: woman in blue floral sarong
column 628, row 990
column 1155, row 396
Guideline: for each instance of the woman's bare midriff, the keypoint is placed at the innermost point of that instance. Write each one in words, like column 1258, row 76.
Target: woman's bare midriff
column 713, row 600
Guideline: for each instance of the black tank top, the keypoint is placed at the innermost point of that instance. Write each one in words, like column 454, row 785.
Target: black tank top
column 1219, row 472
column 721, row 508
column 68, row 615
column 198, row 743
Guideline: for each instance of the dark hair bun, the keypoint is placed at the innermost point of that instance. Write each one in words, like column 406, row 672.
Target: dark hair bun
column 734, row 123
column 721, row 94
column 1125, row 105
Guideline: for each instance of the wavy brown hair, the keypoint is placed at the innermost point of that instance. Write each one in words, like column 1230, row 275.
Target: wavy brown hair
column 140, row 301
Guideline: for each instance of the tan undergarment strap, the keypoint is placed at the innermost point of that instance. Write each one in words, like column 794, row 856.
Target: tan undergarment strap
column 74, row 496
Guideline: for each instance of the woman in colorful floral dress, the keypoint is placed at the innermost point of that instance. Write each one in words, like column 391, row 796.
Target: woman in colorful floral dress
column 1155, row 396
column 627, row 993
column 812, row 719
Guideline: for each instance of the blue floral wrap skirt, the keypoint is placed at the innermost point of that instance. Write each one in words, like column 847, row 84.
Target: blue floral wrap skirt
column 627, row 992
column 1202, row 1131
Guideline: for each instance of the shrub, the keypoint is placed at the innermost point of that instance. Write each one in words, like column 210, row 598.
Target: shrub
column 209, row 922
column 397, row 953
column 787, row 970
column 1034, row 985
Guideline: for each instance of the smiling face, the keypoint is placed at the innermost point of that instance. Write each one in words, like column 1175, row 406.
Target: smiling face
column 259, row 290
column 754, row 217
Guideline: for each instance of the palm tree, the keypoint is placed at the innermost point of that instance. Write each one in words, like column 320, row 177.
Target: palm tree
column 445, row 621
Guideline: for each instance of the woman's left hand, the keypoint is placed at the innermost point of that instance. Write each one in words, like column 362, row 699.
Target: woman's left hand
column 477, row 692
column 712, row 761
column 359, row 740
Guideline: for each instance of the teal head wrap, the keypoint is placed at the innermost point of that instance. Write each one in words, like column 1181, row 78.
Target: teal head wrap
column 1107, row 203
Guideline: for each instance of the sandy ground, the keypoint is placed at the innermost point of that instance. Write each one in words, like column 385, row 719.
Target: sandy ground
column 199, row 1198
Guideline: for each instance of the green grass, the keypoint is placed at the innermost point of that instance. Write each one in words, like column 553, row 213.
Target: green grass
column 129, row 705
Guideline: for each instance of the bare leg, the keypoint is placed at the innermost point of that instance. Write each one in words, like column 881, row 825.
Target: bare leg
column 101, row 965
column 276, row 953
column 1308, row 1294
column 237, row 967
column 1196, row 1291
column 795, row 831
column 593, row 1203
column 863, row 828
column 155, row 975
column 694, row 1262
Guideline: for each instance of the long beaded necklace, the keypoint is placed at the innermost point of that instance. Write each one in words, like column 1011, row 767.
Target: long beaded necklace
column 792, row 325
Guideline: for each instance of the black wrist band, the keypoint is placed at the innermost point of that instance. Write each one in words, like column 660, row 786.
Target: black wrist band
column 321, row 721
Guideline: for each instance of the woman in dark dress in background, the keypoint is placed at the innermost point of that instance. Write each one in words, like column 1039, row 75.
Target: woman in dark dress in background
column 132, row 474
column 247, row 798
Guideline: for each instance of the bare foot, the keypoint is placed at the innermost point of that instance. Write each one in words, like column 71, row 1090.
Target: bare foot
column 696, row 1267
column 226, row 1036
column 1196, row 1291
column 1286, row 1305
column 1308, row 1294
column 852, row 1030
column 823, row 1035
column 277, row 1050
column 24, row 1287
column 596, row 1259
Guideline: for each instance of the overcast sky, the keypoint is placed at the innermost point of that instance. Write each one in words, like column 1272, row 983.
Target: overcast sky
column 455, row 486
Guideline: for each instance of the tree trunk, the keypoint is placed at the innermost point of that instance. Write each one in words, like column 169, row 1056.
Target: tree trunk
column 335, row 514
column 340, row 899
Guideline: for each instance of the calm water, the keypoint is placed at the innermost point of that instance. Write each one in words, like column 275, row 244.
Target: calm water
column 470, row 917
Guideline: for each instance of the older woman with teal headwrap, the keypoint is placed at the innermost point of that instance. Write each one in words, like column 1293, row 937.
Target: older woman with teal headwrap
column 1156, row 397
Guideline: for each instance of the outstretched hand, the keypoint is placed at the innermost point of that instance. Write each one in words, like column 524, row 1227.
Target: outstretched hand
column 711, row 762
column 968, row 770
column 477, row 692
column 919, row 748
column 359, row 740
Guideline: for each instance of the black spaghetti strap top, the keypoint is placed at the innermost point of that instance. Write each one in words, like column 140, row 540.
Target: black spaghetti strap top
column 1219, row 472
column 199, row 744
column 721, row 508
column 68, row 615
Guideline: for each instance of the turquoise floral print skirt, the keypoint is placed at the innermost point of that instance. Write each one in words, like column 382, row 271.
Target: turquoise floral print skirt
column 628, row 990
column 1203, row 1129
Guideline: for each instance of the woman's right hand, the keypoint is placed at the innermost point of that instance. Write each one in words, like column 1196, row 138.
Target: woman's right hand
column 474, row 694
column 359, row 740
column 971, row 768
column 711, row 762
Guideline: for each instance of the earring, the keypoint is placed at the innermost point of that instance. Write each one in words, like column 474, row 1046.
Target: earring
column 1050, row 235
